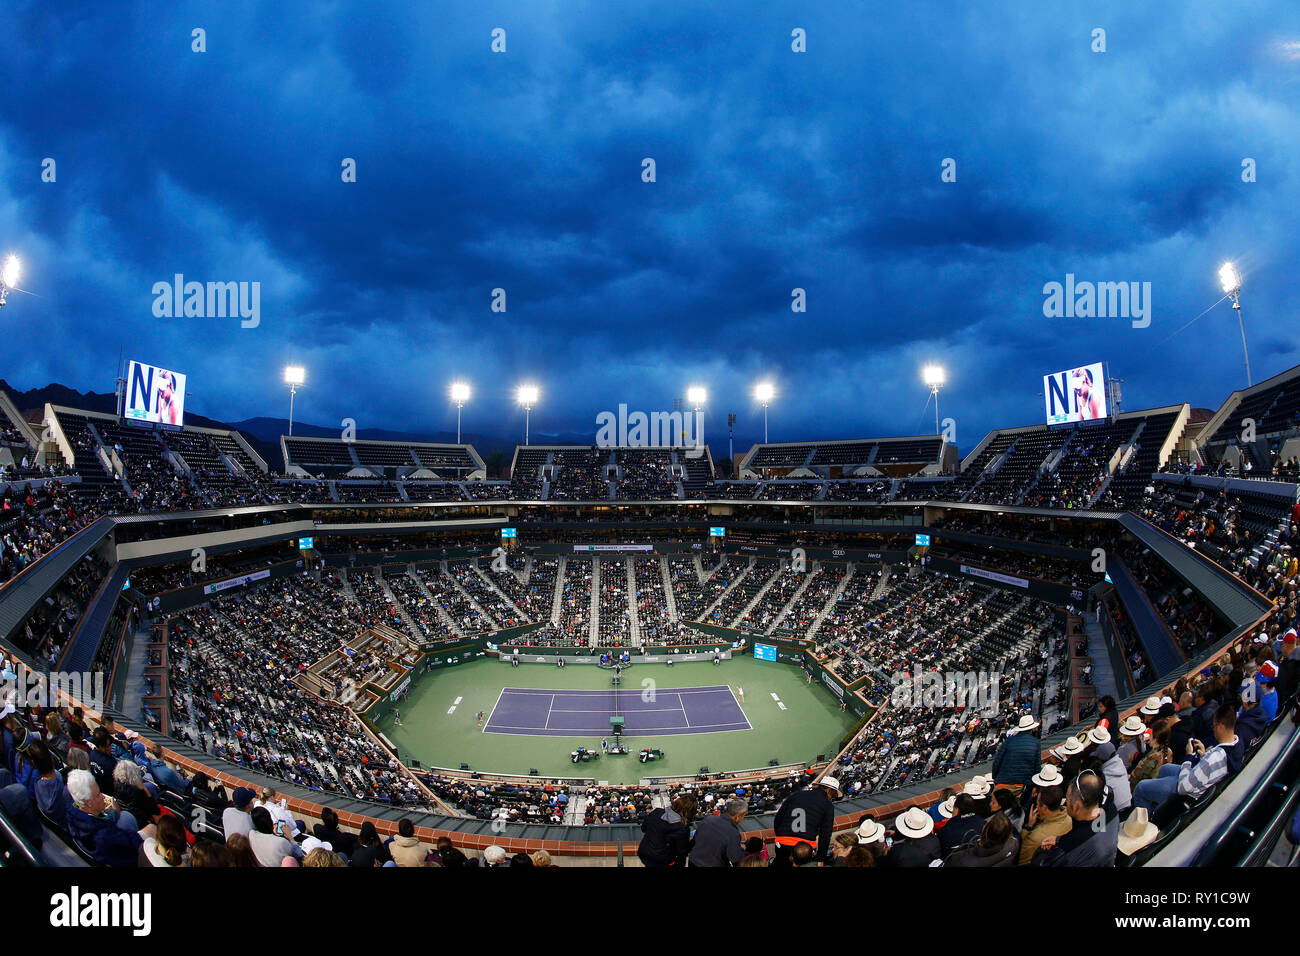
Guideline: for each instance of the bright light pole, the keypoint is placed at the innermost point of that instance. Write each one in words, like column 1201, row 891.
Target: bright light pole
column 459, row 395
column 934, row 378
column 1230, row 279
column 764, row 392
column 697, row 395
column 526, row 395
column 294, row 376
column 9, row 276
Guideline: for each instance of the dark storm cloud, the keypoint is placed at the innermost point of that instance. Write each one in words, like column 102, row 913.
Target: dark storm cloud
column 776, row 170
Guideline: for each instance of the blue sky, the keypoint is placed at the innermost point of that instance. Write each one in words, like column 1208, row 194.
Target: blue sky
column 776, row 170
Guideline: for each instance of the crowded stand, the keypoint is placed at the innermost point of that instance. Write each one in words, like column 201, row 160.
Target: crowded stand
column 251, row 676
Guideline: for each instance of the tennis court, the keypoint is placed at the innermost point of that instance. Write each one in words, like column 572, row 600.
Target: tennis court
column 541, row 712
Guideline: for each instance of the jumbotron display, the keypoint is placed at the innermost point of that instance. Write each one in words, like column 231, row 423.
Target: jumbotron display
column 1076, row 395
column 155, row 395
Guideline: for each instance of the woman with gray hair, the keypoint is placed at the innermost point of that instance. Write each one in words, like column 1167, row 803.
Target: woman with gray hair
column 131, row 795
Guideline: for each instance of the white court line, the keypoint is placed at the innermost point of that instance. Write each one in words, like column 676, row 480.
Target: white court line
column 492, row 711
column 547, row 725
column 737, row 703
column 605, row 710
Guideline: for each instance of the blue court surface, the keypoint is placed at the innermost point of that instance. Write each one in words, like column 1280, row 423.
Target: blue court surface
column 582, row 713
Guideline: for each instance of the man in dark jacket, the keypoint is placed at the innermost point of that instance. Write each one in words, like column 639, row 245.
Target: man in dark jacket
column 1092, row 840
column 1251, row 721
column 717, row 839
column 667, row 840
column 806, row 816
column 95, row 827
column 965, row 826
column 1020, row 755
column 102, row 761
column 917, row 845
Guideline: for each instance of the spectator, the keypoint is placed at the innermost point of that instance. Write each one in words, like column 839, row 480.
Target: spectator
column 1251, row 722
column 240, row 852
column 1047, row 817
column 717, row 839
column 405, row 848
column 370, row 850
column 1157, row 755
column 1202, row 770
column 1087, row 842
column 93, row 824
column 168, row 846
column 998, row 845
column 806, row 816
column 667, row 835
column 966, row 824
column 494, row 856
column 919, row 846
column 328, row 831
column 50, row 791
column 235, row 818
column 269, row 839
column 1020, row 755
column 210, row 853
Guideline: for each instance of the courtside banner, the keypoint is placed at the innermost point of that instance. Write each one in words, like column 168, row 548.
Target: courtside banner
column 236, row 582
column 994, row 576
column 613, row 547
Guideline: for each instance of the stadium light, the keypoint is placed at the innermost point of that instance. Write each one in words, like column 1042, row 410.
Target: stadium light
column 9, row 276
column 294, row 376
column 697, row 395
column 764, row 392
column 1230, row 279
column 459, row 395
column 934, row 377
column 527, row 396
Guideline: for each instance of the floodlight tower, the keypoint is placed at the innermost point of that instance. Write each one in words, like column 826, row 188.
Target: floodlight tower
column 527, row 396
column 764, row 392
column 697, row 395
column 934, row 378
column 294, row 376
column 1230, row 279
column 459, row 395
column 9, row 275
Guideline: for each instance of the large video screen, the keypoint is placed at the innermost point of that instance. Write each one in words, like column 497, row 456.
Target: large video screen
column 154, row 395
column 1076, row 395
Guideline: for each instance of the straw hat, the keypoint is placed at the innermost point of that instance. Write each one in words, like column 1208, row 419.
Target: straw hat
column 914, row 823
column 1048, row 776
column 1133, row 727
column 1025, row 723
column 948, row 808
column 1137, row 832
column 869, row 831
column 1151, row 707
column 1099, row 735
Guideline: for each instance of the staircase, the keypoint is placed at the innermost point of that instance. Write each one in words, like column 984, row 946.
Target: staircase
column 557, row 602
column 491, row 622
column 593, row 624
column 670, row 599
column 402, row 612
column 443, row 616
column 753, row 602
column 728, row 589
column 835, row 596
column 798, row 592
